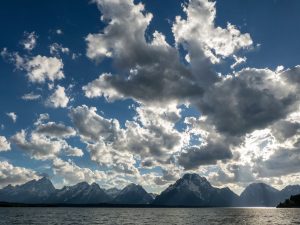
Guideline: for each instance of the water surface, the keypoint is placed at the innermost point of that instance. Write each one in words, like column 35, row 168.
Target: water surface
column 200, row 216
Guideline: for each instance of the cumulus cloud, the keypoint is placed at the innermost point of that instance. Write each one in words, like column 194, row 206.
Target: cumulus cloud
column 30, row 40
column 73, row 174
column 234, row 108
column 93, row 127
column 58, row 99
column 42, row 68
column 152, row 72
column 57, row 130
column 212, row 145
column 198, row 31
column 251, row 99
column 234, row 173
column 42, row 147
column 10, row 174
column 4, row 144
column 151, row 137
column 39, row 68
column 13, row 116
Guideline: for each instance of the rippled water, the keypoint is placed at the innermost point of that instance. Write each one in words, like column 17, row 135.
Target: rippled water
column 205, row 216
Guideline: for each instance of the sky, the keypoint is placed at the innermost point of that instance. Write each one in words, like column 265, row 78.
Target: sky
column 143, row 91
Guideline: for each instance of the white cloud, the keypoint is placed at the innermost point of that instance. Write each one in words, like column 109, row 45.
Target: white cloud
column 198, row 31
column 100, row 87
column 73, row 174
column 151, row 137
column 29, row 41
column 4, row 144
column 58, row 99
column 39, row 68
column 13, row 116
column 279, row 69
column 41, row 147
column 31, row 96
column 42, row 68
column 10, row 174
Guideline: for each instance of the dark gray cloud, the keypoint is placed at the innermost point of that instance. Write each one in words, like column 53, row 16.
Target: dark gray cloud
column 283, row 129
column 193, row 157
column 234, row 173
column 282, row 162
column 253, row 99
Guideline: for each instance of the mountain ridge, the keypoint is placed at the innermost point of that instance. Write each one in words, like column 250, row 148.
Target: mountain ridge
column 190, row 190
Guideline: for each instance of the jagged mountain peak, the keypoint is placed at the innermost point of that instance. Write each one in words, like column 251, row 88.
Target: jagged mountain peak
column 193, row 189
column 41, row 185
column 133, row 186
column 192, row 182
column 133, row 194
column 193, row 176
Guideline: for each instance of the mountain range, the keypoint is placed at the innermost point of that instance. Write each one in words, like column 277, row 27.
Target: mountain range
column 190, row 190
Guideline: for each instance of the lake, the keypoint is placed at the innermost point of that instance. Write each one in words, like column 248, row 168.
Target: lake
column 186, row 216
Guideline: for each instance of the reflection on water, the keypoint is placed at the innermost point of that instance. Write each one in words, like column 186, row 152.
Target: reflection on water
column 205, row 216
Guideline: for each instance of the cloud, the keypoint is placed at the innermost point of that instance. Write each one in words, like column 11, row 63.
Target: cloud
column 13, row 57
column 198, row 31
column 31, row 96
column 238, row 61
column 52, row 129
column 194, row 156
column 4, row 144
column 151, row 137
column 13, row 116
column 42, row 68
column 41, row 147
column 151, row 72
column 10, row 174
column 39, row 68
column 30, row 40
column 282, row 162
column 93, row 127
column 42, row 118
column 56, row 49
column 58, row 99
column 250, row 99
column 234, row 173
column 73, row 174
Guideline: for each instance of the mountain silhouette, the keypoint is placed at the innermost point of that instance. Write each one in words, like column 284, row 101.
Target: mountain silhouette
column 133, row 194
column 193, row 190
column 190, row 190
